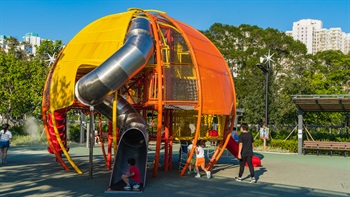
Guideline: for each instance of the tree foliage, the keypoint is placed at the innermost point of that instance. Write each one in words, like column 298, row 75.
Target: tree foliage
column 23, row 78
column 292, row 72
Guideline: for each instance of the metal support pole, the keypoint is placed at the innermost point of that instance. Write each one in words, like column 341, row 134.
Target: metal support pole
column 91, row 137
column 266, row 71
column 300, row 131
column 347, row 125
column 82, row 129
column 236, row 120
column 267, row 100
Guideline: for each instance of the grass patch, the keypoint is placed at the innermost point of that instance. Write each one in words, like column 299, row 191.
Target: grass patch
column 28, row 140
column 271, row 149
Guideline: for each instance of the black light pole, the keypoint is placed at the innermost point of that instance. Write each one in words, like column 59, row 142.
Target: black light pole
column 267, row 96
column 266, row 71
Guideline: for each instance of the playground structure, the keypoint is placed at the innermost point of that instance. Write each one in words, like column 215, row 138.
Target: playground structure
column 126, row 66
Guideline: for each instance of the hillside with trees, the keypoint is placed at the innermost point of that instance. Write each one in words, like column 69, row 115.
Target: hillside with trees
column 292, row 72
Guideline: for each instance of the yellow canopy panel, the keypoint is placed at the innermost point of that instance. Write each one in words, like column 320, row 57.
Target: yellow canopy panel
column 90, row 47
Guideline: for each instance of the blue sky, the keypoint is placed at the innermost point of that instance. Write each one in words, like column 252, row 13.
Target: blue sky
column 61, row 20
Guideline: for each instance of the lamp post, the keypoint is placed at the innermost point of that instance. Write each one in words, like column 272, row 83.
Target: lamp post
column 266, row 72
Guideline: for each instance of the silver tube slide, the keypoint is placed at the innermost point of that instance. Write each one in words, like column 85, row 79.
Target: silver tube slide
column 120, row 67
column 96, row 88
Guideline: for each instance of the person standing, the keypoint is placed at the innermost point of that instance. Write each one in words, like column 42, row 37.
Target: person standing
column 97, row 137
column 264, row 134
column 200, row 160
column 245, row 153
column 5, row 138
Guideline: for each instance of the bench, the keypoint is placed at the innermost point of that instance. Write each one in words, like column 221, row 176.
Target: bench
column 326, row 146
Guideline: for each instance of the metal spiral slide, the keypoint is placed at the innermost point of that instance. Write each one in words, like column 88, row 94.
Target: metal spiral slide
column 96, row 88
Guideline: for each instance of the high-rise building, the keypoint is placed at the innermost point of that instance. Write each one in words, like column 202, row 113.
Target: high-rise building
column 3, row 45
column 304, row 31
column 316, row 38
column 33, row 40
column 346, row 46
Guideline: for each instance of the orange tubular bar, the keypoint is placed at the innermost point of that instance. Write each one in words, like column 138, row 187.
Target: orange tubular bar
column 45, row 108
column 101, row 138
column 160, row 92
column 58, row 156
column 200, row 106
column 220, row 149
column 197, row 42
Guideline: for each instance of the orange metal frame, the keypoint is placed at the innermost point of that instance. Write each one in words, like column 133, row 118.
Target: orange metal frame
column 214, row 97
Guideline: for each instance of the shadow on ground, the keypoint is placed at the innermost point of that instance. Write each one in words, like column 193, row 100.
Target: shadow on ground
column 38, row 174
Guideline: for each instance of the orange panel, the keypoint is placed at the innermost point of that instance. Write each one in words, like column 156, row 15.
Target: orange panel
column 217, row 88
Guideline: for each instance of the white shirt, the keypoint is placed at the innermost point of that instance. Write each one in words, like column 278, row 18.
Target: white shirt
column 189, row 148
column 5, row 136
column 200, row 152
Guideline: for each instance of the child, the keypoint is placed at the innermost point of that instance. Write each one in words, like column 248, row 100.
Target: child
column 200, row 160
column 5, row 138
column 133, row 177
column 193, row 159
column 245, row 152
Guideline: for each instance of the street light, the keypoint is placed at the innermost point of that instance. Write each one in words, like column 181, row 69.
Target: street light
column 262, row 68
column 266, row 72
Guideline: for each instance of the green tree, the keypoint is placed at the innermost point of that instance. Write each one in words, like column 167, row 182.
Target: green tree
column 242, row 47
column 23, row 79
column 13, row 85
column 48, row 47
column 329, row 75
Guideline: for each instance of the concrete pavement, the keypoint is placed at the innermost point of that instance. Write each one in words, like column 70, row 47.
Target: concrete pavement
column 31, row 171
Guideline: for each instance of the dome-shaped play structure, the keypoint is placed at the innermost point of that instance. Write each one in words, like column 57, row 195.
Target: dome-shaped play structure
column 154, row 78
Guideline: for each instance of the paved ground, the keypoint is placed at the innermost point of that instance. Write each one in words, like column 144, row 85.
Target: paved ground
column 31, row 171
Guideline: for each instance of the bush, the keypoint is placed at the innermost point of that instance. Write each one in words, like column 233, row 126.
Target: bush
column 327, row 136
column 18, row 130
column 280, row 135
column 258, row 142
column 290, row 145
column 277, row 145
column 28, row 140
column 74, row 133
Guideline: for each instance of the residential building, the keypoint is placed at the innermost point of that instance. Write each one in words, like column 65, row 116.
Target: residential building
column 3, row 45
column 316, row 38
column 33, row 40
column 303, row 31
column 346, row 46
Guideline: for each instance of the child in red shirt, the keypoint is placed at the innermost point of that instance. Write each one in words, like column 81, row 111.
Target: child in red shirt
column 132, row 179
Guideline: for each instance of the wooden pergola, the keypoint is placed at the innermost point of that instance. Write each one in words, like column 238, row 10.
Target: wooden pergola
column 318, row 103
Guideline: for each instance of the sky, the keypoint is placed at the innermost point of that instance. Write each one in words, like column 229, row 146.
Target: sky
column 62, row 20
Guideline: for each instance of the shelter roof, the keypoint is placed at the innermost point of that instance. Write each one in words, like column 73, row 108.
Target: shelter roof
column 323, row 103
